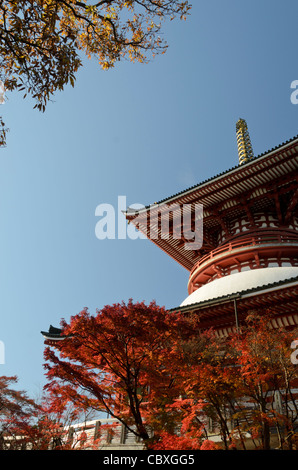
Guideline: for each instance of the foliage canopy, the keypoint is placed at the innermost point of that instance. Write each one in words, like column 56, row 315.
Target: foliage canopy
column 157, row 370
column 41, row 41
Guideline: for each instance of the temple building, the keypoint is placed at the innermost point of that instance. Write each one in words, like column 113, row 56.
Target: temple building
column 244, row 256
column 248, row 256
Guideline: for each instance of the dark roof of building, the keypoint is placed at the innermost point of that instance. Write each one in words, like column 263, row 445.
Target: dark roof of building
column 53, row 332
column 222, row 196
column 202, row 183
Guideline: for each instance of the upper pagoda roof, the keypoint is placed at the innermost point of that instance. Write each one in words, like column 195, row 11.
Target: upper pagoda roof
column 246, row 169
column 225, row 195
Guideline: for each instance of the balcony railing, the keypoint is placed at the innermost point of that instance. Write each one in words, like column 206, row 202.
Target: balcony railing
column 251, row 241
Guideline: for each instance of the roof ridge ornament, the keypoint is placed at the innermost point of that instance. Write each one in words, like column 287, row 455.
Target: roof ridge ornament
column 245, row 151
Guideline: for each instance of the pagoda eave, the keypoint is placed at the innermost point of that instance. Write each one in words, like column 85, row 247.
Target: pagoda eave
column 259, row 186
column 280, row 299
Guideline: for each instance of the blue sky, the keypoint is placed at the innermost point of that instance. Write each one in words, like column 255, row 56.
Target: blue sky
column 140, row 131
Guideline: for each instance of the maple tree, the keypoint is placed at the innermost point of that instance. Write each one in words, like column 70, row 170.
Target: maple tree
column 16, row 412
column 166, row 380
column 245, row 384
column 117, row 361
column 54, row 427
column 267, row 378
column 41, row 41
column 207, row 387
column 45, row 424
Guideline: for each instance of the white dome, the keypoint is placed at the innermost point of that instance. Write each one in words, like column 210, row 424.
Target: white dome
column 240, row 282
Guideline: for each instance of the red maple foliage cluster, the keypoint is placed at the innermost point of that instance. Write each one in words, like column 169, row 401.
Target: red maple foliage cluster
column 167, row 381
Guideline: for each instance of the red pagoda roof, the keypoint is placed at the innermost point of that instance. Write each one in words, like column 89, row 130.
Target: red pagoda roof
column 243, row 190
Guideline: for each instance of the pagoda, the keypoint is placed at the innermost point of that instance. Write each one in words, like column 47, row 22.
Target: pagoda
column 248, row 255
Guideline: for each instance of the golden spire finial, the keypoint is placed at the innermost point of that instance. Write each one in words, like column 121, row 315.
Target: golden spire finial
column 245, row 151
